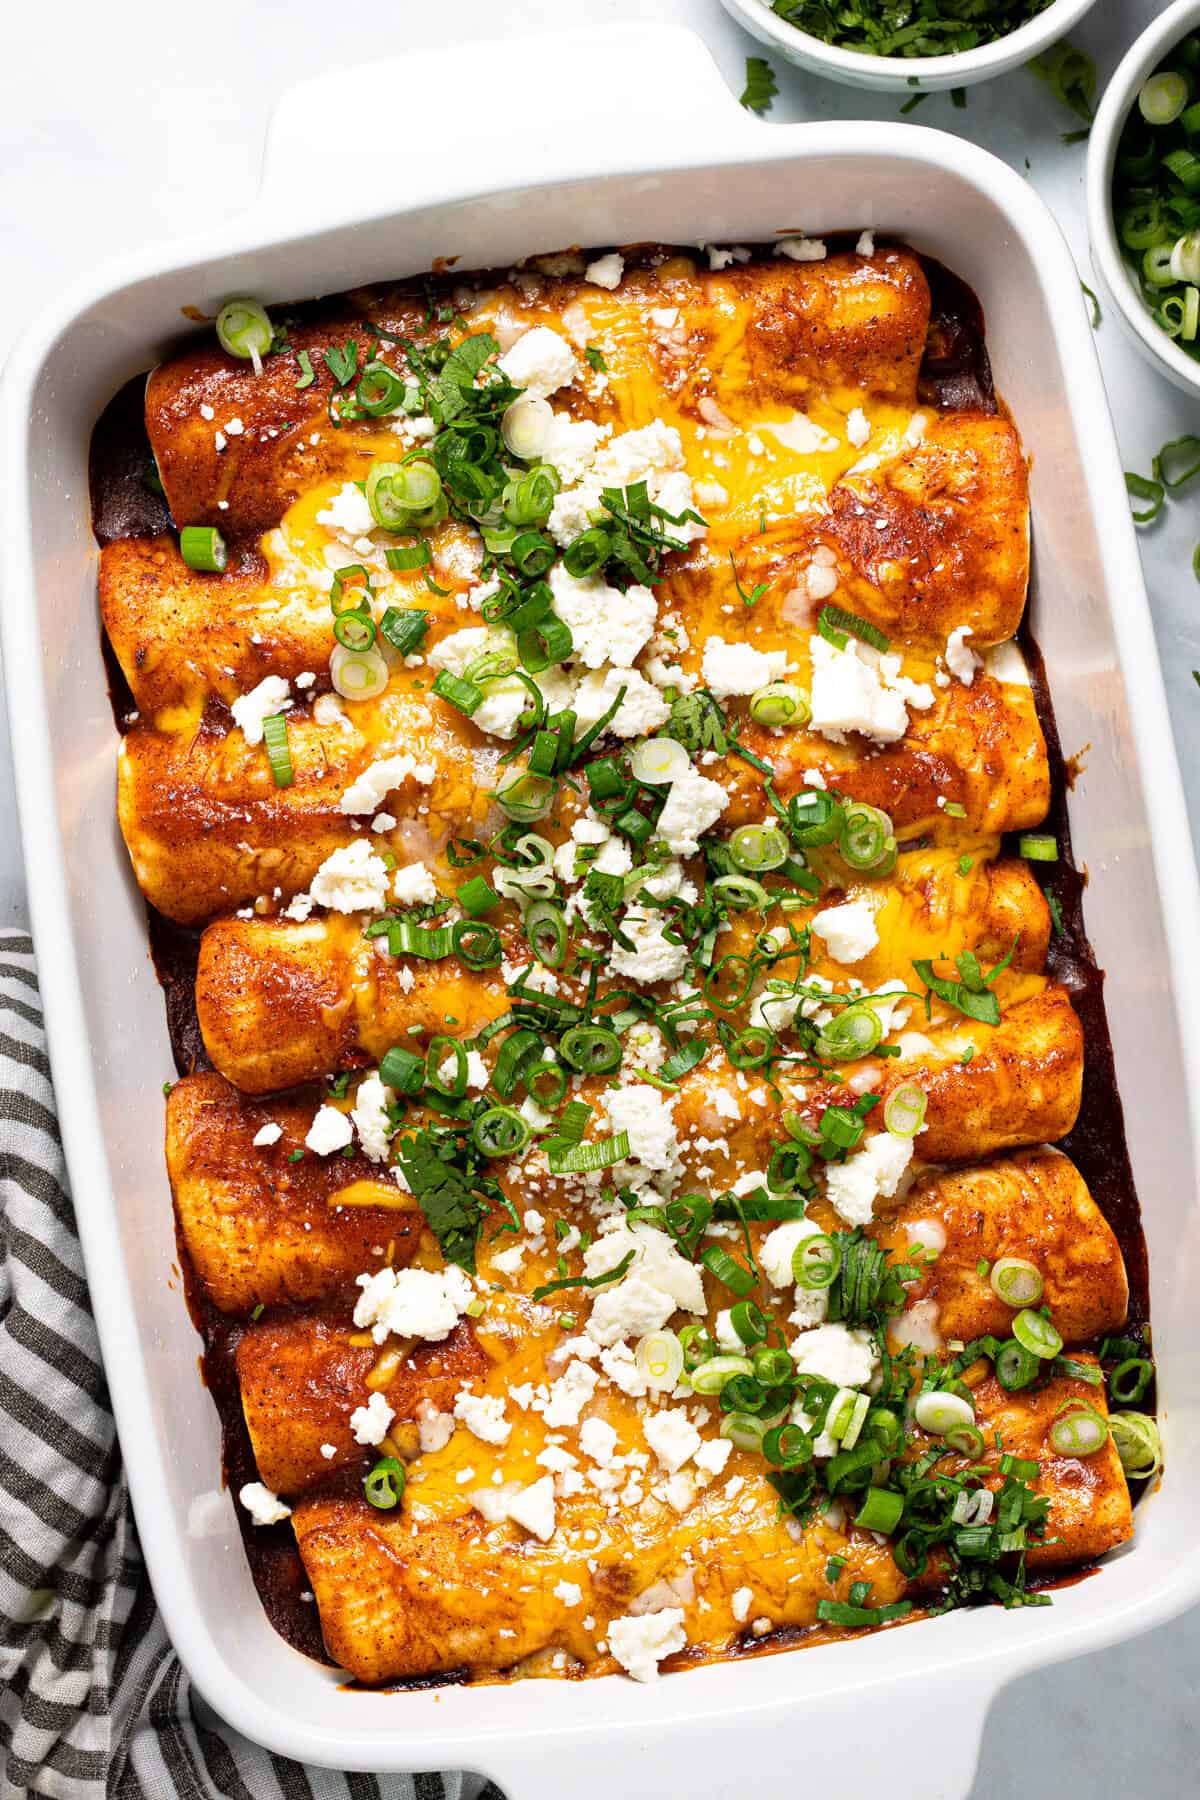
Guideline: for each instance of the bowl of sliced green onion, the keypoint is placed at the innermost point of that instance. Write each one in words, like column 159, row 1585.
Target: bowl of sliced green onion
column 908, row 45
column 1144, row 192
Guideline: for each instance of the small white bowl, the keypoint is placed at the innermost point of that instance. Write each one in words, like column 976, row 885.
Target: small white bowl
column 1152, row 48
column 898, row 73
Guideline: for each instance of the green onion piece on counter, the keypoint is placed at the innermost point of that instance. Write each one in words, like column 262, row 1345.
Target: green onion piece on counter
column 1034, row 1332
column 385, row 1484
column 1016, row 1281
column 202, row 547
column 279, row 754
column 245, row 331
column 1152, row 492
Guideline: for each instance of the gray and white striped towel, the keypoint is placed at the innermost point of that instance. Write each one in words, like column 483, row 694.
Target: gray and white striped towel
column 93, row 1701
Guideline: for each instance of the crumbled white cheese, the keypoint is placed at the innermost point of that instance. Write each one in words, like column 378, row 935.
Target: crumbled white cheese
column 779, row 1246
column 249, row 710
column 269, row 1133
column 801, row 434
column 801, row 249
column 858, row 427
column 347, row 515
column 641, row 711
column 653, row 956
column 569, row 1395
column 541, row 361
column 730, row 669
column 606, row 625
column 848, row 930
column 420, row 1303
column 741, row 1603
column 873, row 1172
column 533, row 1508
column 651, row 451
column 571, row 446
column 370, row 1116
column 693, row 804
column 720, row 257
column 598, row 1441
column 646, row 1114
column 369, row 1423
column 434, row 1427
column 712, row 1455
column 483, row 1416
column 672, row 1437
column 606, row 271
column 866, row 244
column 837, row 1353
column 373, row 784
column 848, row 694
column 414, row 885
column 351, row 879
column 640, row 1641
column 330, row 1130
column 961, row 662
column 264, row 1507
column 657, row 1283
column 569, row 1592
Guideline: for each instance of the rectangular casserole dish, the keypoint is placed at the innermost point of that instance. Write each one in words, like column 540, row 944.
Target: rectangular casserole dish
column 686, row 166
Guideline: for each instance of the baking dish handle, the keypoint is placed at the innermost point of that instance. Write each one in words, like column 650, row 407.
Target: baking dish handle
column 860, row 1742
column 411, row 130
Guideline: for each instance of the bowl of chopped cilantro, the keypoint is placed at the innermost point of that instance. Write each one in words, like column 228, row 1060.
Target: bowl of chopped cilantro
column 918, row 45
column 1144, row 192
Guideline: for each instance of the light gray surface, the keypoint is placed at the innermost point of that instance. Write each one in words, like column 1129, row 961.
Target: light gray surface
column 127, row 124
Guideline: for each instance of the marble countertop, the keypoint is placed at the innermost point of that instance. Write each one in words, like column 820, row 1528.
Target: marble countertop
column 125, row 124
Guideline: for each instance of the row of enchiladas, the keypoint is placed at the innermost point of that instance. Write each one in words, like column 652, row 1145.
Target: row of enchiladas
column 632, row 1062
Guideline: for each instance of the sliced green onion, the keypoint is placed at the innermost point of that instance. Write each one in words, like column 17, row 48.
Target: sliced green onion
column 585, row 1159
column 1185, row 167
column 727, row 1270
column 787, row 1446
column 816, row 1261
column 814, row 818
column 385, row 1484
column 1017, row 1282
column 1138, row 1443
column 526, row 426
column 500, row 1132
column 1185, row 261
column 659, row 1358
column 780, row 703
column 380, row 390
column 1152, row 492
column 1156, row 266
column 658, row 760
column 463, row 695
column 710, row 1376
column 358, row 674
column 543, row 644
column 525, row 797
column 477, row 943
column 546, row 929
column 747, row 1320
column 834, row 623
column 938, row 1412
column 441, row 1049
column 279, row 754
column 852, row 1033
column 476, row 897
column 202, row 547
column 904, row 1110
column 402, row 1070
column 408, row 939
column 245, row 331
column 1079, row 1430
column 743, row 1430
column 1035, row 847
column 587, row 553
column 880, row 1511
column 515, row 1053
column 866, row 839
column 1129, row 1380
column 1034, row 1332
column 741, row 893
column 354, row 630
column 590, row 1049
column 966, row 1440
column 758, row 848
column 727, row 985
column 1015, row 1366
column 1163, row 97
column 1143, row 225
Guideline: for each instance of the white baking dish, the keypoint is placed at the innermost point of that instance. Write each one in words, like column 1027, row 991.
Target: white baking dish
column 610, row 152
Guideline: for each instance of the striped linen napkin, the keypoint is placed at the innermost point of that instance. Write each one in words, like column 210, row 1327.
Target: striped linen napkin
column 93, row 1700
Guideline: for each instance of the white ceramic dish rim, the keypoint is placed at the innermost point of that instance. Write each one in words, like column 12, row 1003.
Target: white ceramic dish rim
column 965, row 66
column 722, row 1719
column 1139, row 61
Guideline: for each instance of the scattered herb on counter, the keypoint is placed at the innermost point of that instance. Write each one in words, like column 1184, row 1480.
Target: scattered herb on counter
column 761, row 86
